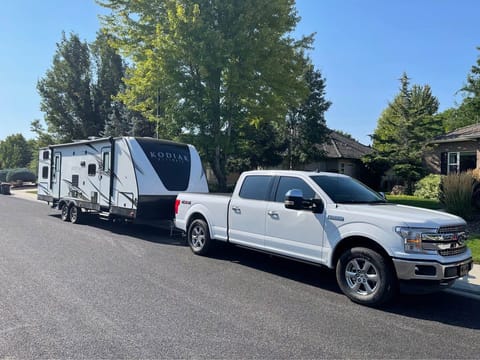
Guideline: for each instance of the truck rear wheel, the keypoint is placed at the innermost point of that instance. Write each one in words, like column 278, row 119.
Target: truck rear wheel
column 365, row 276
column 198, row 237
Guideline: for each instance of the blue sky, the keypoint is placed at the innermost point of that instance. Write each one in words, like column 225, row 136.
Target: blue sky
column 361, row 47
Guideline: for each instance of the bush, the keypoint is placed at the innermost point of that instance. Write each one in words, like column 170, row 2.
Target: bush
column 456, row 192
column 428, row 187
column 21, row 175
column 398, row 190
column 3, row 175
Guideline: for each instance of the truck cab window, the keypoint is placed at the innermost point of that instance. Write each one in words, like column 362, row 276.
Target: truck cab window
column 288, row 183
column 255, row 187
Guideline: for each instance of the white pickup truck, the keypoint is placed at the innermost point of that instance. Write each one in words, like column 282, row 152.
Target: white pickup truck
column 335, row 221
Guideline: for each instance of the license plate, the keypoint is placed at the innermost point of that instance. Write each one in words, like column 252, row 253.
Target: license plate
column 463, row 269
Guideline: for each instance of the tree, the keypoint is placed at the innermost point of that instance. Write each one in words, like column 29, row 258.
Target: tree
column 66, row 93
column 403, row 130
column 468, row 112
column 109, row 71
column 471, row 103
column 78, row 89
column 125, row 122
column 15, row 152
column 306, row 123
column 204, row 69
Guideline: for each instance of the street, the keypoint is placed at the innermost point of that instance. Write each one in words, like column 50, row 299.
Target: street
column 109, row 290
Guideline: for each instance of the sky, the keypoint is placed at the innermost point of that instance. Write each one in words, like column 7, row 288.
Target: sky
column 361, row 48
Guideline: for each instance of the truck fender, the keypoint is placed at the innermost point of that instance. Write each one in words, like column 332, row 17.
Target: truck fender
column 359, row 234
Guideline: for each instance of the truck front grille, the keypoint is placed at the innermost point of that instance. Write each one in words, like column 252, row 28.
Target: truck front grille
column 452, row 241
column 452, row 252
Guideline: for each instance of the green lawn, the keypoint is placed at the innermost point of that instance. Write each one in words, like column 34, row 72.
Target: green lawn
column 415, row 201
column 474, row 244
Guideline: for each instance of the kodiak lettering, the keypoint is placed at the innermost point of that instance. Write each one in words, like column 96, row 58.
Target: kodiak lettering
column 169, row 156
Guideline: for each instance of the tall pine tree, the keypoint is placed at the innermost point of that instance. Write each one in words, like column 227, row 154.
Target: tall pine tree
column 403, row 130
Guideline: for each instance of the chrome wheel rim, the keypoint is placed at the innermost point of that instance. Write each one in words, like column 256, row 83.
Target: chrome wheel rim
column 64, row 212
column 197, row 237
column 73, row 214
column 362, row 276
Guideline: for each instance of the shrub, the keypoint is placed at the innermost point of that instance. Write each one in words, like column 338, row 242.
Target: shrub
column 398, row 190
column 3, row 175
column 21, row 175
column 456, row 194
column 428, row 187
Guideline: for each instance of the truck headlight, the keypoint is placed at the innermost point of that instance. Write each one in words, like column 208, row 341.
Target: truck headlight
column 412, row 237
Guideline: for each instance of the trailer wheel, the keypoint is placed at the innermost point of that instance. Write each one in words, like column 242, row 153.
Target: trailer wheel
column 75, row 214
column 198, row 237
column 65, row 216
column 365, row 276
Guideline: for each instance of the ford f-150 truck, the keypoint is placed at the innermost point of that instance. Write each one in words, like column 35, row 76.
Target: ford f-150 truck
column 335, row 221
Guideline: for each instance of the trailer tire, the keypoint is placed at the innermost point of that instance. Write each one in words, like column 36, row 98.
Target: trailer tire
column 365, row 276
column 198, row 237
column 65, row 212
column 75, row 214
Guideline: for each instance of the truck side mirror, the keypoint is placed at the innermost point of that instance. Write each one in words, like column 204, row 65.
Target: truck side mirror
column 294, row 199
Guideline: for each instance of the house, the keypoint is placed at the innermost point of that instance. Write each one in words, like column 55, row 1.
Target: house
column 342, row 155
column 456, row 151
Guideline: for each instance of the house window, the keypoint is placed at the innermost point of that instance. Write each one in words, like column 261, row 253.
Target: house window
column 46, row 155
column 461, row 161
column 342, row 168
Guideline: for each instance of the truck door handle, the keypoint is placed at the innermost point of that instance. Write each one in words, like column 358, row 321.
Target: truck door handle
column 273, row 214
column 236, row 209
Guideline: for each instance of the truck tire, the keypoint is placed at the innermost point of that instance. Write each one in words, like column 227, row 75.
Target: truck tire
column 365, row 276
column 198, row 237
column 65, row 215
column 75, row 214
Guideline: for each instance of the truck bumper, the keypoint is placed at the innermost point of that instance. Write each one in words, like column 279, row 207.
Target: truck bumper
column 429, row 270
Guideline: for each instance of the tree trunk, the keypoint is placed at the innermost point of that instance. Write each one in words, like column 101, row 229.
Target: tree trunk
column 218, row 168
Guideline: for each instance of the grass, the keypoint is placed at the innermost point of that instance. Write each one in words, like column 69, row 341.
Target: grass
column 32, row 191
column 474, row 244
column 415, row 201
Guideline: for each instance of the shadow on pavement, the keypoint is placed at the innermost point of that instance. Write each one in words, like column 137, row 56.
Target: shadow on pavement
column 443, row 307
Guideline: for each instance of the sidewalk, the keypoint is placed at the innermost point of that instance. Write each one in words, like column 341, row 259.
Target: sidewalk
column 469, row 284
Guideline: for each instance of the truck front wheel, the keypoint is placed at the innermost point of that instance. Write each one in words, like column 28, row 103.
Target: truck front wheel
column 198, row 237
column 365, row 276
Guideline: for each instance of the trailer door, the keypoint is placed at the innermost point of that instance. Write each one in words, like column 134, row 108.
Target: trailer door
column 105, row 176
column 56, row 179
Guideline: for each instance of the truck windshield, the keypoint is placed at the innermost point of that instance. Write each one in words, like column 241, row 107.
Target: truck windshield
column 345, row 190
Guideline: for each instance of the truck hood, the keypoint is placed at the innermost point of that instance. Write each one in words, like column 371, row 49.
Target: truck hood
column 403, row 215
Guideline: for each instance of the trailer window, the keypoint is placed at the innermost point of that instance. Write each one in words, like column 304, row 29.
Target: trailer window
column 45, row 172
column 92, row 169
column 46, row 155
column 106, row 161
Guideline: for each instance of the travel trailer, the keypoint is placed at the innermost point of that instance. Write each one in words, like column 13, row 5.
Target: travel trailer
column 130, row 178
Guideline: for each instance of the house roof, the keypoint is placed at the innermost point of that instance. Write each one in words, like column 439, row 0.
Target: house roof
column 466, row 133
column 338, row 146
